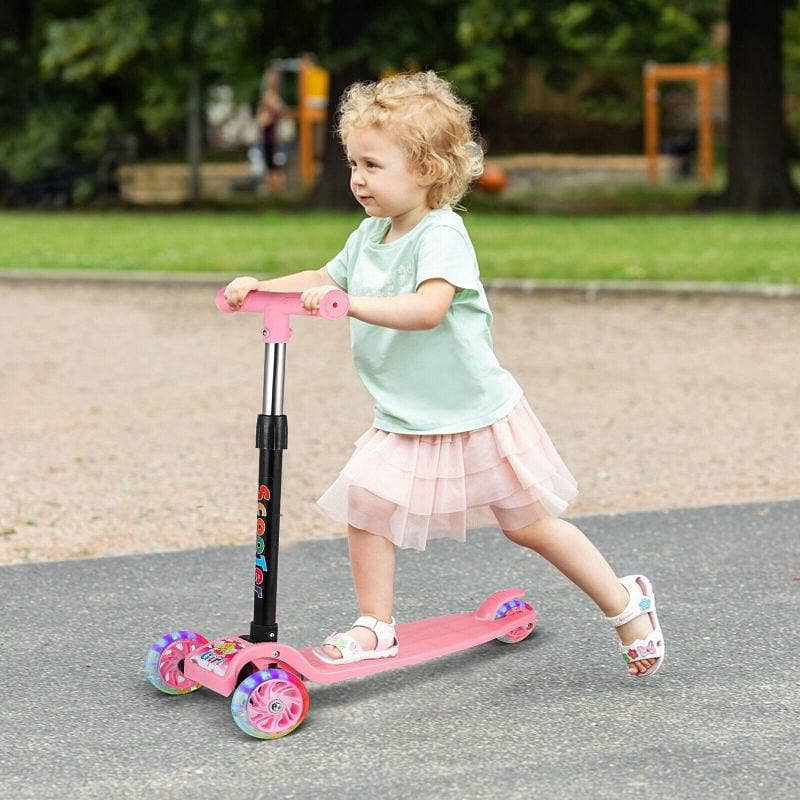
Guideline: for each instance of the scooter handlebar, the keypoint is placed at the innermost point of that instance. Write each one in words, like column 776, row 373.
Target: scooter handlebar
column 278, row 306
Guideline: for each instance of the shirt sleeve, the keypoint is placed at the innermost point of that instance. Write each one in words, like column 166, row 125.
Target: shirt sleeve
column 444, row 252
column 340, row 265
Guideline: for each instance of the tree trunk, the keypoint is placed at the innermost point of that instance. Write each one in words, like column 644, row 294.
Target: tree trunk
column 194, row 134
column 758, row 165
column 333, row 186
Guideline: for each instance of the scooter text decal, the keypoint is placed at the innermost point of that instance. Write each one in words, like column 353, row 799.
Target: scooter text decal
column 261, row 527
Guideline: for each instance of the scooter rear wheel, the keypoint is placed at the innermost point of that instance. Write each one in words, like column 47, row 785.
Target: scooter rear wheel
column 270, row 703
column 514, row 608
column 164, row 663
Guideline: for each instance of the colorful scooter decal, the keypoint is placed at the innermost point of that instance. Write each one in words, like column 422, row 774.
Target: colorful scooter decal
column 216, row 656
column 261, row 561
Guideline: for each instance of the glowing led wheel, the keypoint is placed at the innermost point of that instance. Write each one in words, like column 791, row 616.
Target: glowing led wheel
column 164, row 663
column 269, row 704
column 514, row 608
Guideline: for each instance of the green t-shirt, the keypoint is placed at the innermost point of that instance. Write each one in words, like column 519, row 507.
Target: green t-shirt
column 443, row 380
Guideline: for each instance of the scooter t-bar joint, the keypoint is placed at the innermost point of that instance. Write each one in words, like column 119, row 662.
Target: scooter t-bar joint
column 278, row 306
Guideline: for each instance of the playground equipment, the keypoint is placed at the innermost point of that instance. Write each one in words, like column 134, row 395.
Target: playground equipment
column 704, row 74
column 311, row 110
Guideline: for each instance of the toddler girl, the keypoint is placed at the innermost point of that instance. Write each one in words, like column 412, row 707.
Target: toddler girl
column 452, row 431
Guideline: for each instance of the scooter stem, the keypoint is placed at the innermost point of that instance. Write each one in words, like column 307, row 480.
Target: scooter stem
column 271, row 439
column 272, row 432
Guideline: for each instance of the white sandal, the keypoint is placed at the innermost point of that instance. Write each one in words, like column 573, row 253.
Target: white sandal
column 641, row 601
column 351, row 649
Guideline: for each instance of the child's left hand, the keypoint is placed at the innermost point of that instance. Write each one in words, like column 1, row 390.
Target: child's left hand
column 311, row 298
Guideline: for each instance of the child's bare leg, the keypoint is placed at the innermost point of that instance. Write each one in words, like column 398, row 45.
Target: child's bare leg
column 372, row 560
column 569, row 551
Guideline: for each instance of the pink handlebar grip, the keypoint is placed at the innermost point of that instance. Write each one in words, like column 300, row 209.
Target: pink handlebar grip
column 278, row 306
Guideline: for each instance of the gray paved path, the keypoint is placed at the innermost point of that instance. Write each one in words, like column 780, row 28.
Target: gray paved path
column 554, row 716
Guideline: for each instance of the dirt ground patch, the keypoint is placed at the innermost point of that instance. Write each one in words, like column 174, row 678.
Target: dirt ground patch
column 128, row 412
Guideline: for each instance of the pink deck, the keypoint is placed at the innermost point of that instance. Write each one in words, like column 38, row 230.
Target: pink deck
column 419, row 641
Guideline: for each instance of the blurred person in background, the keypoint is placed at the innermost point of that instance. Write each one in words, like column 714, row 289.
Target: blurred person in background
column 268, row 113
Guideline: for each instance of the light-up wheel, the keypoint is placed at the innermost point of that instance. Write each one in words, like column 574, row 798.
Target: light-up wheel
column 164, row 663
column 515, row 608
column 270, row 704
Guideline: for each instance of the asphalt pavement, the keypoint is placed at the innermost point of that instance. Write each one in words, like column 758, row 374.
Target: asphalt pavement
column 553, row 716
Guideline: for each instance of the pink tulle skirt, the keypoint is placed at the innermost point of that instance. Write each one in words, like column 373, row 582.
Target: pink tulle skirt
column 413, row 488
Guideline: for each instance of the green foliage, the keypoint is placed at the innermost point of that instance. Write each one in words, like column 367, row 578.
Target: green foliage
column 791, row 55
column 151, row 48
column 96, row 46
column 78, row 75
column 57, row 136
column 383, row 36
column 609, row 40
column 37, row 147
column 95, row 71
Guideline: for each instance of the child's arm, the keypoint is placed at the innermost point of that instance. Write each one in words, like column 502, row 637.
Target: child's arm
column 237, row 289
column 417, row 311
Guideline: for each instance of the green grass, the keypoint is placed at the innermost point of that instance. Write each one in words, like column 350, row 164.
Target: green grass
column 675, row 246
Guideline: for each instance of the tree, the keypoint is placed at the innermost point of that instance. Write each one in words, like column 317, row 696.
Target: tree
column 36, row 119
column 104, row 69
column 601, row 44
column 482, row 46
column 477, row 44
column 758, row 163
column 76, row 75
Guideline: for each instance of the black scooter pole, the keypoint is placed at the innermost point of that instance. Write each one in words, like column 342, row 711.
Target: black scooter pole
column 271, row 441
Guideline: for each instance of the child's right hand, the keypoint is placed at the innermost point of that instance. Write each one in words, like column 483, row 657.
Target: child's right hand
column 238, row 289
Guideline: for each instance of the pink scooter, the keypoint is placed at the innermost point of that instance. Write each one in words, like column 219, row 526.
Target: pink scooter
column 267, row 677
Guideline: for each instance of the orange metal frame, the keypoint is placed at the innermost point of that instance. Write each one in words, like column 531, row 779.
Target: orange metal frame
column 704, row 74
column 312, row 110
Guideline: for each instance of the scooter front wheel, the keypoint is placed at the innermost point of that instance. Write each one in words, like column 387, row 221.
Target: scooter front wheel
column 164, row 663
column 270, row 703
column 514, row 608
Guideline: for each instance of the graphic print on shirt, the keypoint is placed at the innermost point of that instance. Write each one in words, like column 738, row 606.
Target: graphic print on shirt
column 367, row 281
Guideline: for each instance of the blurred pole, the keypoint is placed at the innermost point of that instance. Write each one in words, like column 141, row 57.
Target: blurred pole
column 194, row 134
column 705, row 123
column 314, row 84
column 651, row 121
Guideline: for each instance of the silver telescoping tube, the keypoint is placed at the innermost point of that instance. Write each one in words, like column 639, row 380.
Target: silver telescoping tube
column 274, row 373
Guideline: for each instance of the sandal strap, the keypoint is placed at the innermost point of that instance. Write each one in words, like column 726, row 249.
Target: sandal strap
column 384, row 631
column 638, row 602
column 652, row 646
column 344, row 642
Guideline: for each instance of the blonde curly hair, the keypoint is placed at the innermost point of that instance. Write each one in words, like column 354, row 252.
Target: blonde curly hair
column 425, row 117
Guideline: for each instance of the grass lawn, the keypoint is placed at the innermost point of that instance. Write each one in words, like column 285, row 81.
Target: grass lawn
column 679, row 246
